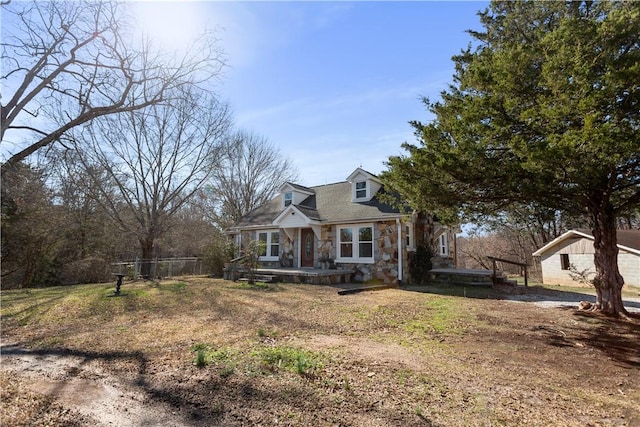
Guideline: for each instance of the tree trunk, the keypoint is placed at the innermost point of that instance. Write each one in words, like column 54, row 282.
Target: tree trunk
column 608, row 281
column 146, row 245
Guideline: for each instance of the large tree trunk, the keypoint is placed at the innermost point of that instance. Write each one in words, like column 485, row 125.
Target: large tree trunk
column 146, row 268
column 608, row 281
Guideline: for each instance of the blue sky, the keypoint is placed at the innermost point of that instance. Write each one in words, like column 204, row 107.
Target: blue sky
column 334, row 84
column 331, row 84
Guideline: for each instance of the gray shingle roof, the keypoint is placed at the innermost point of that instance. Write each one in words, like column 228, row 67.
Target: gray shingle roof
column 330, row 203
column 301, row 187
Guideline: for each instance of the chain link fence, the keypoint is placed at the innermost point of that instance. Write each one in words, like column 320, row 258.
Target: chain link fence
column 159, row 267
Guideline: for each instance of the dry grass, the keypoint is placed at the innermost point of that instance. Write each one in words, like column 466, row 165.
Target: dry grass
column 21, row 406
column 303, row 355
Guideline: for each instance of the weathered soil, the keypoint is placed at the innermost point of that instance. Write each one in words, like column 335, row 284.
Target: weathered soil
column 385, row 362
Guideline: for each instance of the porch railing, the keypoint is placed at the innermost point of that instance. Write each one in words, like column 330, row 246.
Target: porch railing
column 521, row 264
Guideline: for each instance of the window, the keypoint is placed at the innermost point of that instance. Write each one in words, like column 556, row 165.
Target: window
column 361, row 190
column 365, row 242
column 443, row 245
column 346, row 243
column 271, row 245
column 288, row 198
column 408, row 236
column 564, row 261
column 275, row 244
column 356, row 244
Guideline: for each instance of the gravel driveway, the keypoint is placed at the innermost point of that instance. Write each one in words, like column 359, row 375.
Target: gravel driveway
column 570, row 299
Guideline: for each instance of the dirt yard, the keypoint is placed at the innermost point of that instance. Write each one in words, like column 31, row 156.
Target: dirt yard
column 205, row 352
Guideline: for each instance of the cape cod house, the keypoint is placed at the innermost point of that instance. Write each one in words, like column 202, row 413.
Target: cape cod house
column 343, row 226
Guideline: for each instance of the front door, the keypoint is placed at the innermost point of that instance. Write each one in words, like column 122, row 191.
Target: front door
column 307, row 247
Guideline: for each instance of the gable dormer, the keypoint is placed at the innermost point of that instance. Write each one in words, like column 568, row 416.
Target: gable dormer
column 364, row 185
column 294, row 194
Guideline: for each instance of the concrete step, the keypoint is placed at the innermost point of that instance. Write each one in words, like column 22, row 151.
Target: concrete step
column 459, row 283
column 260, row 278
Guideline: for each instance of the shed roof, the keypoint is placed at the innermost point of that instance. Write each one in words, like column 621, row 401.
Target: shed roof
column 628, row 240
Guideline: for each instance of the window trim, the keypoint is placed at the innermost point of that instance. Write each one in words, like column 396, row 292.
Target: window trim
column 408, row 238
column 356, row 190
column 356, row 258
column 564, row 262
column 443, row 244
column 287, row 197
column 270, row 244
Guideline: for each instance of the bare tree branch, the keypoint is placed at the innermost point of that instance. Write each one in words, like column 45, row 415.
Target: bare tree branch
column 69, row 63
column 155, row 159
column 250, row 175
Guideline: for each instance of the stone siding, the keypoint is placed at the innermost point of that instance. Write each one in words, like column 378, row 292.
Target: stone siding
column 385, row 265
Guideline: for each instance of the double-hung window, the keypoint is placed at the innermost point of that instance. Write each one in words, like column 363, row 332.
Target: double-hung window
column 288, row 198
column 443, row 245
column 355, row 244
column 408, row 236
column 361, row 190
column 270, row 240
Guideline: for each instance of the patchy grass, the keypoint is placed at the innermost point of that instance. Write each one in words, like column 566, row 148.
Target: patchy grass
column 302, row 355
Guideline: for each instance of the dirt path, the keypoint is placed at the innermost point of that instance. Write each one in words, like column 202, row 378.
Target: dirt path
column 85, row 388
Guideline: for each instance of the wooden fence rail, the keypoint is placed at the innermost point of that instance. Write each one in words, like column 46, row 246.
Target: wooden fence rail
column 521, row 264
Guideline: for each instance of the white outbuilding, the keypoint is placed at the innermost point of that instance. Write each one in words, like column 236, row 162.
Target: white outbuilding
column 573, row 252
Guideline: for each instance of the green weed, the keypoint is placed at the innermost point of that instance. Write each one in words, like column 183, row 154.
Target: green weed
column 205, row 355
column 201, row 359
column 441, row 316
column 288, row 358
column 178, row 287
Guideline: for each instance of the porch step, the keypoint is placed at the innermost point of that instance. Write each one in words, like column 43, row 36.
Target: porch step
column 463, row 277
column 505, row 281
column 260, row 278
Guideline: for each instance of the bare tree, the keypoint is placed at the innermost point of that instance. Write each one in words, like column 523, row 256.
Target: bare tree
column 250, row 175
column 67, row 63
column 156, row 159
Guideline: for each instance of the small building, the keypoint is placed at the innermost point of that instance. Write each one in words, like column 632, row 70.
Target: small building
column 573, row 252
column 346, row 225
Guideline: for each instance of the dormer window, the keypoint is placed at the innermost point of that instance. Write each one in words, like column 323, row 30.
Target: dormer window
column 364, row 186
column 288, row 198
column 293, row 194
column 361, row 190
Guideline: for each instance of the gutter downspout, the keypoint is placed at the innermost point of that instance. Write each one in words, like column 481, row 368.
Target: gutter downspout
column 400, row 254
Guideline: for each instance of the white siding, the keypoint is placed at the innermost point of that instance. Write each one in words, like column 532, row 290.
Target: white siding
column 629, row 265
column 293, row 220
column 580, row 252
column 552, row 272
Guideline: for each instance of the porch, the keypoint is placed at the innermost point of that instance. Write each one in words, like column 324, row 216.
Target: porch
column 312, row 276
column 470, row 277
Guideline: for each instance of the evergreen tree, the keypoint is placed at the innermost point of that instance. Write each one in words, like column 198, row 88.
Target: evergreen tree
column 544, row 108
